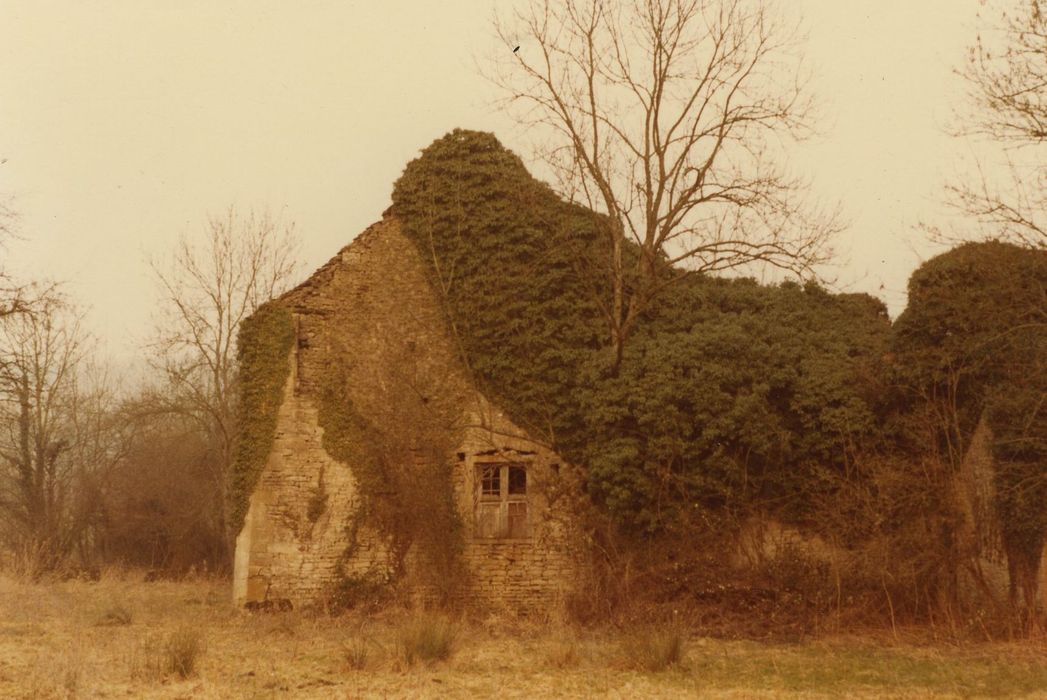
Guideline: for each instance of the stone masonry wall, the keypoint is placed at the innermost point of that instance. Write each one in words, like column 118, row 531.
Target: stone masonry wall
column 372, row 309
column 977, row 494
column 286, row 548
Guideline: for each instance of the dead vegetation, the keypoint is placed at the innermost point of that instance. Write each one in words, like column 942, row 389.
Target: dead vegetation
column 173, row 654
column 184, row 639
column 427, row 638
column 654, row 648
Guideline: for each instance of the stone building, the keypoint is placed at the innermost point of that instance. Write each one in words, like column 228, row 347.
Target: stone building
column 372, row 310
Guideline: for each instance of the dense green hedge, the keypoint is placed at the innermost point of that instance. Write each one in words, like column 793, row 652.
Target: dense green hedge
column 736, row 395
column 266, row 339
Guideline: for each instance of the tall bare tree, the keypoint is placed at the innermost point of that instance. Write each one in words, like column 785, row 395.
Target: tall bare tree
column 208, row 287
column 668, row 117
column 1006, row 79
column 57, row 435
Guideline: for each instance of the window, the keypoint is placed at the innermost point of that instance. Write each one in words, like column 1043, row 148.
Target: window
column 501, row 510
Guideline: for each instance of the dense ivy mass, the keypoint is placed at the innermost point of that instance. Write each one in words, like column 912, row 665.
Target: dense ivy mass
column 265, row 344
column 975, row 335
column 730, row 394
column 741, row 396
column 504, row 251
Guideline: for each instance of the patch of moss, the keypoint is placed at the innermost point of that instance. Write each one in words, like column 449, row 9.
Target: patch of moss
column 266, row 339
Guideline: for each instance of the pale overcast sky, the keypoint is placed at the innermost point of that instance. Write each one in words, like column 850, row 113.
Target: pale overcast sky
column 125, row 123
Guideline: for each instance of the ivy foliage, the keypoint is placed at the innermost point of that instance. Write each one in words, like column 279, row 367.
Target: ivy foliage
column 975, row 330
column 400, row 453
column 974, row 317
column 504, row 252
column 737, row 396
column 730, row 392
column 265, row 343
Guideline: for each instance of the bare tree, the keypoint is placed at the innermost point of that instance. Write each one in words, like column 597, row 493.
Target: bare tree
column 1006, row 80
column 102, row 434
column 15, row 297
column 667, row 117
column 56, row 436
column 208, row 287
column 7, row 212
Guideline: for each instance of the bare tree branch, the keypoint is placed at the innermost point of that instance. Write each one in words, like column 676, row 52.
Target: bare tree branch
column 1006, row 79
column 666, row 117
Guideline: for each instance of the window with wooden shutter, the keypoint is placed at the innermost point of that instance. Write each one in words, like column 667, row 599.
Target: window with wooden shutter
column 501, row 504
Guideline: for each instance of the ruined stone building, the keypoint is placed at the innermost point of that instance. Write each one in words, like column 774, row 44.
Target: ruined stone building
column 372, row 312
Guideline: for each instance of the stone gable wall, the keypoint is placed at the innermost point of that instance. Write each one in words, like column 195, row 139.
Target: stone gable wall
column 283, row 552
column 370, row 306
column 981, row 531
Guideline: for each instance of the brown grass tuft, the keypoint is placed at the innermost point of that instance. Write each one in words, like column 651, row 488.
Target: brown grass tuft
column 654, row 648
column 175, row 654
column 427, row 637
column 114, row 614
column 357, row 652
column 57, row 673
column 564, row 653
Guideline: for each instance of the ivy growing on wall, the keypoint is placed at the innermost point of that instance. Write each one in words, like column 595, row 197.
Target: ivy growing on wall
column 975, row 333
column 731, row 396
column 729, row 393
column 508, row 258
column 266, row 339
column 399, row 450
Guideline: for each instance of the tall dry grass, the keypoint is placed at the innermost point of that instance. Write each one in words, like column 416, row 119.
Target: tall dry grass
column 654, row 649
column 427, row 637
column 186, row 640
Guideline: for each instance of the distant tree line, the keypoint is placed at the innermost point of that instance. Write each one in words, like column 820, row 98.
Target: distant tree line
column 94, row 472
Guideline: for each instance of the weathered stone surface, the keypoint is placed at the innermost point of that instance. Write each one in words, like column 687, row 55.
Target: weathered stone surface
column 369, row 306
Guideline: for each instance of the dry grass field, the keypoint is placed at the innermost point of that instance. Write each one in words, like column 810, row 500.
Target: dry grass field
column 122, row 638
